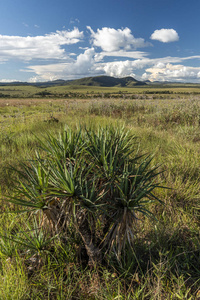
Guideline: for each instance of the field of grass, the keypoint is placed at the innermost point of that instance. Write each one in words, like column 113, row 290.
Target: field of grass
column 163, row 261
column 86, row 92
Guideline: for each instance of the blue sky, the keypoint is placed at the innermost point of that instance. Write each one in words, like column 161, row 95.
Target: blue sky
column 44, row 40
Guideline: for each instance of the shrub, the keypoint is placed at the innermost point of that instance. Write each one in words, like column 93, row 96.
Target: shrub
column 90, row 181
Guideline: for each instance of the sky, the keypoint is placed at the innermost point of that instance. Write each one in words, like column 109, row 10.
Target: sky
column 156, row 40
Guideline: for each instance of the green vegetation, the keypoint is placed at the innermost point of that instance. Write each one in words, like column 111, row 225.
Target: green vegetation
column 79, row 179
column 100, row 87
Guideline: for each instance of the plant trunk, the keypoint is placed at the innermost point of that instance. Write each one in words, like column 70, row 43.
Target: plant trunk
column 93, row 252
column 56, row 214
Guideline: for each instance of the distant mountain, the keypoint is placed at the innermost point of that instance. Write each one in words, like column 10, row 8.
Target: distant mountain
column 101, row 81
column 107, row 81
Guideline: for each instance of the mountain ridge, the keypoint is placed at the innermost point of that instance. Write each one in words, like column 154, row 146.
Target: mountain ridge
column 101, row 81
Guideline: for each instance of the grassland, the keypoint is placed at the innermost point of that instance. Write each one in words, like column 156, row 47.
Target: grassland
column 165, row 261
column 83, row 92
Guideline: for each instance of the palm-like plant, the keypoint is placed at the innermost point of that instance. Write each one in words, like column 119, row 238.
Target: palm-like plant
column 132, row 194
column 68, row 144
column 94, row 181
column 108, row 148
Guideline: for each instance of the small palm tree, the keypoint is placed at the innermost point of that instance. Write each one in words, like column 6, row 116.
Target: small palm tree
column 92, row 180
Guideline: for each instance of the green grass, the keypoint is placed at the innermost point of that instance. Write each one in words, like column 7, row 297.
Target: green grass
column 81, row 91
column 166, row 260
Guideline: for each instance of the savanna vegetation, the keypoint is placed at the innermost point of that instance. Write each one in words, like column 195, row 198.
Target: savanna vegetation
column 100, row 196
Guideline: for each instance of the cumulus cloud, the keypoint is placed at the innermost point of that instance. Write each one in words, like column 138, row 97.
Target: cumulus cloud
column 165, row 35
column 126, row 68
column 38, row 47
column 170, row 72
column 162, row 69
column 119, row 69
column 110, row 39
column 113, row 52
column 84, row 65
column 129, row 67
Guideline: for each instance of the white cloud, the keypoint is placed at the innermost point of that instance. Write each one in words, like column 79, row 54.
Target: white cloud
column 165, row 35
column 38, row 47
column 47, row 72
column 8, row 80
column 121, row 53
column 128, row 67
column 110, row 39
column 145, row 76
column 171, row 72
column 119, row 69
column 84, row 65
column 165, row 68
column 113, row 52
column 124, row 68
